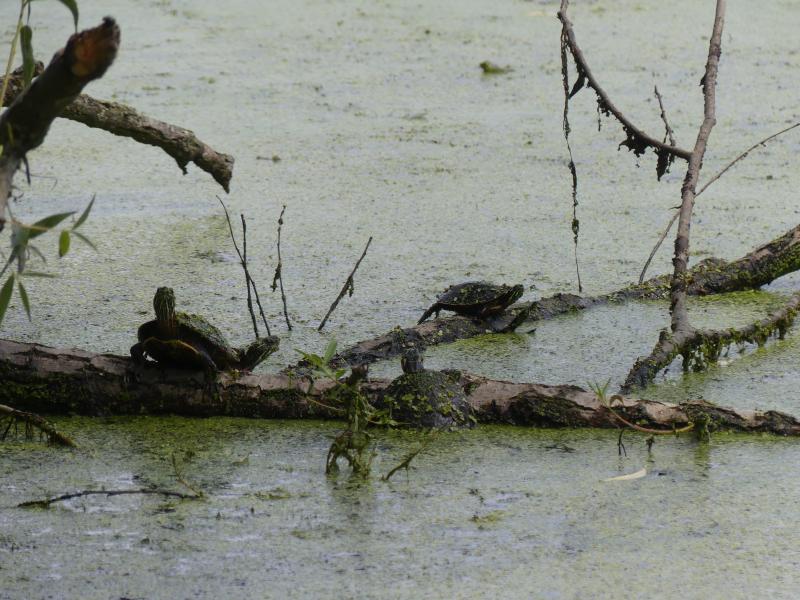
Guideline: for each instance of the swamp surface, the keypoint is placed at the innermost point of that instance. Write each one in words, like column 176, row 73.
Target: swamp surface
column 384, row 125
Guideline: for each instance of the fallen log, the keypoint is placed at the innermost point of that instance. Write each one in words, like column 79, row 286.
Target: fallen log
column 711, row 276
column 47, row 380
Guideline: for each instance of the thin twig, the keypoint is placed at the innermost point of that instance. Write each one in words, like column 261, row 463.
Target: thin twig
column 669, row 134
column 48, row 501
column 742, row 156
column 347, row 287
column 636, row 136
column 247, row 275
column 278, row 277
column 248, row 279
column 255, row 289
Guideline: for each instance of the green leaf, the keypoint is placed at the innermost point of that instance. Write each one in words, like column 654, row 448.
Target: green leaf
column 5, row 296
column 24, row 297
column 84, row 239
column 72, row 5
column 330, row 351
column 63, row 243
column 28, row 62
column 84, row 214
column 44, row 225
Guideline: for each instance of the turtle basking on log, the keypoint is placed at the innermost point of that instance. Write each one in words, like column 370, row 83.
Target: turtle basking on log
column 422, row 398
column 186, row 340
column 475, row 299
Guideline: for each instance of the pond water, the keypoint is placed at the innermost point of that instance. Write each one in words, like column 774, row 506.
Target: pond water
column 385, row 127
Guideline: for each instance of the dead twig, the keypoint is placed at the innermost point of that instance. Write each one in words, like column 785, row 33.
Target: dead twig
column 248, row 279
column 665, row 159
column 278, row 277
column 719, row 174
column 347, row 288
column 33, row 421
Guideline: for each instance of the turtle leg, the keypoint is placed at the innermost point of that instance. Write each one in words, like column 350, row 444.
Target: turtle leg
column 210, row 371
column 433, row 309
column 137, row 353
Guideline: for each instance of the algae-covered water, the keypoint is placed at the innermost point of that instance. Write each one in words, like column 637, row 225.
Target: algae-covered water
column 385, row 126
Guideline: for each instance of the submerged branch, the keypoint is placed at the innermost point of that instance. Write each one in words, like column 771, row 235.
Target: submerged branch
column 48, row 501
column 33, row 421
column 700, row 347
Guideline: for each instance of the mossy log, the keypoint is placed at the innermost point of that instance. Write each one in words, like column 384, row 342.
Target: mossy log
column 47, row 380
column 760, row 267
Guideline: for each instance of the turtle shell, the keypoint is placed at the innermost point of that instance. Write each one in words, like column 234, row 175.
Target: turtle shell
column 475, row 299
column 427, row 399
column 195, row 332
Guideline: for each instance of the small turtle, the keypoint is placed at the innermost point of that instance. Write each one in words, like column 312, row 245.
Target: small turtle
column 186, row 340
column 475, row 299
column 421, row 398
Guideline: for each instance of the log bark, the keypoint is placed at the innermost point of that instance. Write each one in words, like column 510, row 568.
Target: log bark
column 711, row 276
column 24, row 125
column 58, row 381
column 122, row 120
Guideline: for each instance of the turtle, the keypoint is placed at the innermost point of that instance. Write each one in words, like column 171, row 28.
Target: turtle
column 423, row 398
column 188, row 340
column 475, row 299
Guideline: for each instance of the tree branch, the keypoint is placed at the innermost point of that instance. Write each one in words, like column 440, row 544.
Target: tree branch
column 636, row 140
column 24, row 125
column 122, row 120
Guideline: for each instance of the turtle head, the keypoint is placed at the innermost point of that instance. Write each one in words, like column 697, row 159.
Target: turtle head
column 164, row 305
column 258, row 350
column 411, row 361
column 515, row 293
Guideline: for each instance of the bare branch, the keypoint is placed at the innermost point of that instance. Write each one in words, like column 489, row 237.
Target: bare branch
column 742, row 156
column 248, row 279
column 347, row 287
column 680, row 318
column 122, row 120
column 636, row 139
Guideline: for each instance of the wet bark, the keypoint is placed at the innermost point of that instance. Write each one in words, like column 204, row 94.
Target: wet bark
column 56, row 381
